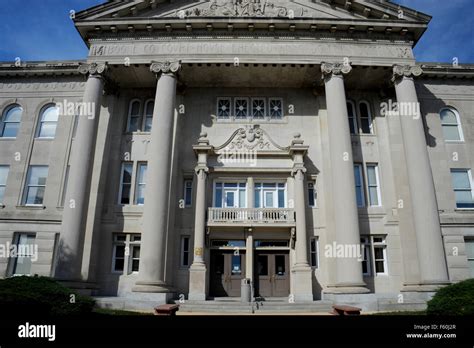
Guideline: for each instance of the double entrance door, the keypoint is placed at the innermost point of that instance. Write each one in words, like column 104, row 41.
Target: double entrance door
column 271, row 274
column 226, row 272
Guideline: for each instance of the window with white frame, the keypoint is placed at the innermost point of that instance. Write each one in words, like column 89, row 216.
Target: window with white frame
column 359, row 180
column 26, row 253
column 365, row 118
column 48, row 122
column 35, row 185
column 270, row 195
column 469, row 243
column 241, row 107
column 275, row 108
column 314, row 252
column 125, row 183
column 3, row 181
column 148, row 119
column 10, row 121
column 379, row 249
column 258, row 108
column 352, row 117
column 373, row 188
column 311, row 194
column 451, row 125
column 185, row 251
column 134, row 116
column 141, row 184
column 230, row 195
column 126, row 253
column 463, row 188
column 224, row 107
column 188, row 192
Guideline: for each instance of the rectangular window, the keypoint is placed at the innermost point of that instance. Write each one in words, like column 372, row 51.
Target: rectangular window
column 126, row 253
column 258, row 108
column 230, row 195
column 450, row 122
column 351, row 114
column 314, row 256
column 149, row 115
column 134, row 116
column 3, row 181
column 141, row 184
column 470, row 256
column 373, row 184
column 35, row 185
column 379, row 252
column 188, row 192
column 358, row 184
column 365, row 245
column 241, row 107
column 125, row 183
column 185, row 256
column 311, row 195
column 25, row 253
column 463, row 188
column 270, row 195
column 365, row 118
column 275, row 108
column 224, row 107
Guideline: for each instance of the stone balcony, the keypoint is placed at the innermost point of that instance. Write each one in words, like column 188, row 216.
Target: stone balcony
column 251, row 217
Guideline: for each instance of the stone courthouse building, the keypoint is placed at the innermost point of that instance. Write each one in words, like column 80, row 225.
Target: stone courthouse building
column 297, row 144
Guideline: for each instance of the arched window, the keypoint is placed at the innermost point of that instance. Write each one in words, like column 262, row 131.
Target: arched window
column 134, row 116
column 365, row 118
column 10, row 122
column 451, row 124
column 149, row 107
column 352, row 116
column 48, row 122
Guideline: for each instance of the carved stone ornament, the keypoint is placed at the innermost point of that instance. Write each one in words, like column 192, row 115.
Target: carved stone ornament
column 166, row 67
column 406, row 71
column 248, row 139
column 329, row 69
column 245, row 8
column 93, row 68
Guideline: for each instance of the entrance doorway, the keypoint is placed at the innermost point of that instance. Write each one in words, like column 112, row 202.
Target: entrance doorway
column 271, row 273
column 226, row 272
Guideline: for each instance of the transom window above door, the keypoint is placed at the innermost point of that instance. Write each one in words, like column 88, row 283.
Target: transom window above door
column 249, row 108
column 230, row 195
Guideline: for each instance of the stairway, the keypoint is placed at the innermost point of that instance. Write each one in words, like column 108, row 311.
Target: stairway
column 270, row 306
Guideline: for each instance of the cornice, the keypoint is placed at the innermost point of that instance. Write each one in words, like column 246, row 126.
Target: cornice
column 52, row 68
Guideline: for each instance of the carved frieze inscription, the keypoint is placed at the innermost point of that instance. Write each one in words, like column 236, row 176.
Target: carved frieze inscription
column 41, row 86
column 287, row 48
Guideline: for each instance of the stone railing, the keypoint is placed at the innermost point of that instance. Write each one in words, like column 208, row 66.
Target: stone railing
column 251, row 215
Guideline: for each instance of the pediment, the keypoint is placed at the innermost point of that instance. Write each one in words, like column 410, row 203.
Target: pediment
column 317, row 9
column 250, row 139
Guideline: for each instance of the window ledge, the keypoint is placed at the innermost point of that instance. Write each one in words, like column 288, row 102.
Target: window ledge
column 138, row 133
column 468, row 210
column 7, row 138
column 31, row 207
column 44, row 139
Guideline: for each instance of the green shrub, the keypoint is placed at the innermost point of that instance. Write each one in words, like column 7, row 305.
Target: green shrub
column 40, row 296
column 455, row 299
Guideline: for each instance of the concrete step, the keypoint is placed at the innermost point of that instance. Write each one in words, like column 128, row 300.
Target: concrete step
column 264, row 306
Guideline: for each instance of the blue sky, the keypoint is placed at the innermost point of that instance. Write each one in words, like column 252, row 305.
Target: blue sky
column 42, row 30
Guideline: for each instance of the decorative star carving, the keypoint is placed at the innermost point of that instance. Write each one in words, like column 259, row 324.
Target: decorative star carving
column 166, row 67
column 329, row 69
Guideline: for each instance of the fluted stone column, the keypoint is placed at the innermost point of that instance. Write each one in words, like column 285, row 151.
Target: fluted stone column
column 71, row 242
column 155, row 215
column 349, row 270
column 198, row 270
column 303, row 289
column 420, row 178
column 249, row 240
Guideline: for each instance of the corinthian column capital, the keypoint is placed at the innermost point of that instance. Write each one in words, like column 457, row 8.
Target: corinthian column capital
column 166, row 67
column 94, row 68
column 329, row 69
column 400, row 71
